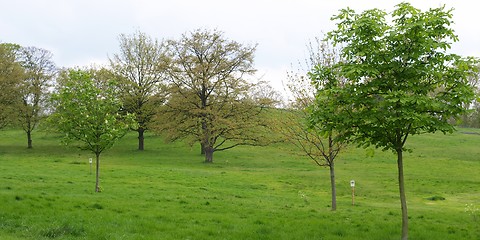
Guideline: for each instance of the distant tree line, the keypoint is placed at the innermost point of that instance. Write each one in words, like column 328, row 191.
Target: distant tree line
column 198, row 88
column 472, row 117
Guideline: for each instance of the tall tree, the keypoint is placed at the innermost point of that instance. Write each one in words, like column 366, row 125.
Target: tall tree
column 10, row 76
column 141, row 68
column 39, row 72
column 87, row 110
column 401, row 80
column 210, row 101
column 321, row 147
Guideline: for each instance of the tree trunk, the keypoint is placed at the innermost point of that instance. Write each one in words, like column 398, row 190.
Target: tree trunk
column 331, row 162
column 202, row 148
column 29, row 139
column 209, row 154
column 97, row 175
column 334, row 188
column 141, row 138
column 403, row 198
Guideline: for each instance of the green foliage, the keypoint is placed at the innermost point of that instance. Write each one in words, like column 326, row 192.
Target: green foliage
column 88, row 111
column 472, row 117
column 320, row 145
column 38, row 73
column 399, row 80
column 210, row 101
column 140, row 68
column 10, row 76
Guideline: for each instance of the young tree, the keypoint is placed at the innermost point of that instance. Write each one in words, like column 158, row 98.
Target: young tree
column 210, row 100
column 39, row 71
column 322, row 147
column 400, row 80
column 10, row 76
column 87, row 110
column 141, row 67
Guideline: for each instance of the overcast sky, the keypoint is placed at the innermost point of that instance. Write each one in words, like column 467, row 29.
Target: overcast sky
column 82, row 32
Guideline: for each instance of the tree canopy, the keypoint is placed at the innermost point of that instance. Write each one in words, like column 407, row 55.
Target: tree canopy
column 39, row 72
column 209, row 98
column 140, row 67
column 87, row 111
column 400, row 79
column 10, row 76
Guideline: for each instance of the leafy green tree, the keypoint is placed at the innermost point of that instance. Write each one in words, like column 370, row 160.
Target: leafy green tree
column 400, row 80
column 39, row 72
column 87, row 110
column 210, row 101
column 10, row 76
column 140, row 66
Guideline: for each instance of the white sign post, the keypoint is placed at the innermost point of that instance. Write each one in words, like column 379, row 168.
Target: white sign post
column 90, row 161
column 352, row 184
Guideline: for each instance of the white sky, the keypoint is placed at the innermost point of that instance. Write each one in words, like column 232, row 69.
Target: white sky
column 82, row 32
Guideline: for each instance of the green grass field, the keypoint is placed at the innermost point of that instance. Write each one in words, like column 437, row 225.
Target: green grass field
column 166, row 192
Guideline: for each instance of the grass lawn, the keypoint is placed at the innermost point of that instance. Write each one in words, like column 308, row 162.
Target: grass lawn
column 166, row 192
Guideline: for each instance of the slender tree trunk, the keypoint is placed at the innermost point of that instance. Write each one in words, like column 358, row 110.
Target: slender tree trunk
column 403, row 198
column 209, row 154
column 29, row 139
column 334, row 188
column 97, row 174
column 332, row 172
column 141, row 138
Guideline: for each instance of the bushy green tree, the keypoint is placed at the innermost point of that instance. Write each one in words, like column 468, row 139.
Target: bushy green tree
column 10, row 76
column 87, row 111
column 401, row 80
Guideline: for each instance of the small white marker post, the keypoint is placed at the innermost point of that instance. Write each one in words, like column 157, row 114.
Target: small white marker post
column 352, row 184
column 90, row 161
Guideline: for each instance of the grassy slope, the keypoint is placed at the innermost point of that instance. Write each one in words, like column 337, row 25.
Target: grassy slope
column 166, row 192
